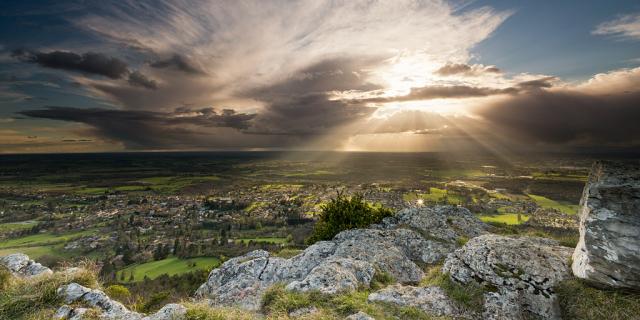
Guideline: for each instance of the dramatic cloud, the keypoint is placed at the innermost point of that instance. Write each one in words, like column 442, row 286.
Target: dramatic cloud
column 466, row 70
column 138, row 79
column 179, row 63
column 581, row 116
column 146, row 129
column 624, row 27
column 302, row 104
column 90, row 62
column 461, row 91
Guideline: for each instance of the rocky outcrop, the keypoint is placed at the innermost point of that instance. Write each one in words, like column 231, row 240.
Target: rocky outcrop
column 608, row 252
column 523, row 272
column 431, row 300
column 20, row 265
column 399, row 247
column 74, row 293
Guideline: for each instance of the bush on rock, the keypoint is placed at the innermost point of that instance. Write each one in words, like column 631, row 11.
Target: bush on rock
column 343, row 213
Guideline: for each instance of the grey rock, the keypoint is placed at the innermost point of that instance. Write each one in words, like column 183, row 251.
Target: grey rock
column 172, row 311
column 378, row 248
column 242, row 280
column 20, row 265
column 335, row 275
column 504, row 306
column 443, row 223
column 110, row 309
column 303, row 312
column 526, row 267
column 431, row 300
column 63, row 312
column 359, row 316
column 608, row 251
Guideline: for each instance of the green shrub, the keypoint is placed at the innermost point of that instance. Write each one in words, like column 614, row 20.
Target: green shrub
column 462, row 240
column 578, row 300
column 343, row 213
column 155, row 302
column 118, row 292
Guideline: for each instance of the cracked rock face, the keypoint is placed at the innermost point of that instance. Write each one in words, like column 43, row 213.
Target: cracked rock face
column 524, row 270
column 431, row 300
column 398, row 247
column 20, row 265
column 608, row 251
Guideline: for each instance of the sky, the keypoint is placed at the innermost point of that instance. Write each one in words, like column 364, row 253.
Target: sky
column 357, row 75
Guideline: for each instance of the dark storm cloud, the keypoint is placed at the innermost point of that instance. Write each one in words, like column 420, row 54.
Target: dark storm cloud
column 90, row 62
column 180, row 63
column 440, row 92
column 138, row 79
column 307, row 115
column 546, row 82
column 461, row 91
column 464, row 69
column 147, row 129
column 569, row 117
column 302, row 104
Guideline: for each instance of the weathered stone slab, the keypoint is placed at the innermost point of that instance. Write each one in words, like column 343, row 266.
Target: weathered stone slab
column 608, row 252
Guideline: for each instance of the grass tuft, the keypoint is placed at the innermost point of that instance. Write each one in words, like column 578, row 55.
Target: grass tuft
column 578, row 300
column 278, row 303
column 23, row 298
column 468, row 296
column 202, row 311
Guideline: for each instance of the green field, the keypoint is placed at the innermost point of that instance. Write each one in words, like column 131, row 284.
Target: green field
column 548, row 203
column 169, row 266
column 34, row 252
column 17, row 226
column 272, row 240
column 511, row 218
column 43, row 239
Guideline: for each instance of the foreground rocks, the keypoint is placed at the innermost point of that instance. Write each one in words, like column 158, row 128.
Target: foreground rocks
column 106, row 307
column 399, row 246
column 522, row 272
column 21, row 266
column 608, row 252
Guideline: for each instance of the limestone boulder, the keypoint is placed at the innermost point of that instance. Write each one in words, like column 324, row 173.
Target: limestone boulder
column 608, row 251
column 523, row 270
column 20, row 265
